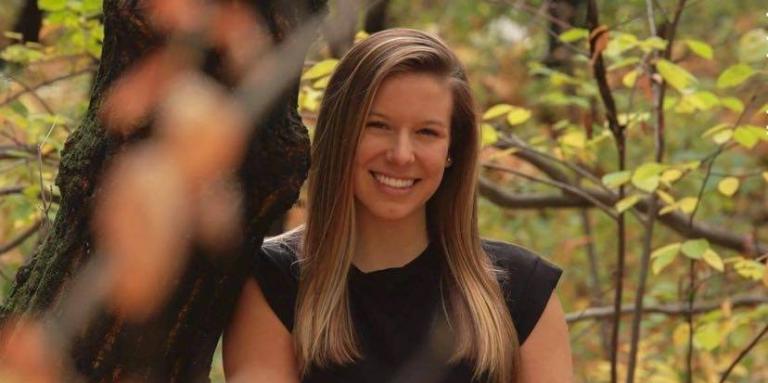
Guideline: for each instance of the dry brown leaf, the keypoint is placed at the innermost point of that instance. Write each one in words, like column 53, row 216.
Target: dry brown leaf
column 202, row 128
column 141, row 222
column 26, row 355
column 598, row 40
column 136, row 93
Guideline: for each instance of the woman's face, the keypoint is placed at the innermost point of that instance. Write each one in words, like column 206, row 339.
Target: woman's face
column 403, row 147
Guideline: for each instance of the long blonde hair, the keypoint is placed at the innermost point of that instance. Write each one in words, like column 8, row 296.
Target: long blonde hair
column 323, row 331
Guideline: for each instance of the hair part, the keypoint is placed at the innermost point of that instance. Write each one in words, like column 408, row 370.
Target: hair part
column 323, row 332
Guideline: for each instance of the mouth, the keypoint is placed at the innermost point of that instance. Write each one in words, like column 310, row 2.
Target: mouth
column 396, row 183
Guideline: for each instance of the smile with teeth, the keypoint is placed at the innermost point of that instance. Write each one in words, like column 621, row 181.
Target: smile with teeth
column 398, row 183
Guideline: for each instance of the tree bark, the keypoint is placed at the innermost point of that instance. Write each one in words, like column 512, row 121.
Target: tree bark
column 177, row 343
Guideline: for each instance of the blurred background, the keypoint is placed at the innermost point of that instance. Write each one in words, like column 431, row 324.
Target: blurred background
column 551, row 176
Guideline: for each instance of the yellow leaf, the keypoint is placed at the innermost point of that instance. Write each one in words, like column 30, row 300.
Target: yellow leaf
column 489, row 134
column 574, row 138
column 518, row 116
column 713, row 259
column 627, row 203
column 728, row 186
column 671, row 175
column 666, row 197
column 320, row 69
column 669, row 208
column 629, row 79
column 496, row 111
column 687, row 204
column 723, row 136
column 321, row 83
column 360, row 36
column 675, row 75
column 765, row 176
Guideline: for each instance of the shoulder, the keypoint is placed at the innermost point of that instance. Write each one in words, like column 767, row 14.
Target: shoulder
column 275, row 268
column 526, row 279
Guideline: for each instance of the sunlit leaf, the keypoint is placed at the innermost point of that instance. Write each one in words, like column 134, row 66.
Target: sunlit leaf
column 688, row 204
column 748, row 135
column 733, row 104
column 728, row 186
column 707, row 337
column 489, row 134
column 574, row 34
column 671, row 175
column 623, row 62
column 646, row 176
column 52, row 5
column 722, row 136
column 703, row 100
column 666, row 197
column 734, row 75
column 574, row 138
column 321, row 83
column 765, row 176
column 629, row 78
column 675, row 75
column 713, row 259
column 749, row 268
column 627, row 203
column 518, row 116
column 694, row 248
column 320, row 69
column 653, row 42
column 616, row 179
column 663, row 256
column 496, row 111
column 700, row 48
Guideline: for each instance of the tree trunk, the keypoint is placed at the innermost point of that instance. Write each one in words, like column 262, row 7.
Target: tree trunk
column 176, row 344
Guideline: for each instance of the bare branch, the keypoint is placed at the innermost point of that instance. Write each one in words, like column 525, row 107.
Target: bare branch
column 744, row 353
column 4, row 248
column 671, row 309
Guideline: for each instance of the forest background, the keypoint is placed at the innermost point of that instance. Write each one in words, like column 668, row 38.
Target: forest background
column 633, row 154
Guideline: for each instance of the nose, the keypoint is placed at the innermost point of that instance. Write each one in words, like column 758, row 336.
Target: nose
column 401, row 150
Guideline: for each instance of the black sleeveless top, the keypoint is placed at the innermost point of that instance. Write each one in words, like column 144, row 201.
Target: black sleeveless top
column 397, row 312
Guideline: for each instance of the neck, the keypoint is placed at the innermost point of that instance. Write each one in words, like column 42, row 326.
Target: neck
column 382, row 244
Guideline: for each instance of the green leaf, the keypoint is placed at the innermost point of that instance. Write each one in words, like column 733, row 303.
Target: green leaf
column 320, row 69
column 92, row 5
column 489, row 134
column 749, row 135
column 574, row 34
column 646, row 176
column 728, row 186
column 616, row 179
column 663, row 256
column 713, row 259
column 707, row 337
column 627, row 203
column 675, row 75
column 700, row 48
column 51, row 5
column 734, row 75
column 623, row 62
column 732, row 103
column 518, row 116
column 694, row 248
column 715, row 129
column 749, row 268
column 753, row 45
column 654, row 42
column 703, row 100
column 496, row 111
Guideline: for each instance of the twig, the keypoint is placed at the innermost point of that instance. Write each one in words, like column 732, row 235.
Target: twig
column 743, row 353
column 20, row 93
column 20, row 238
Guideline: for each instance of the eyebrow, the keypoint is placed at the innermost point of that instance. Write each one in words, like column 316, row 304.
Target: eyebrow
column 425, row 122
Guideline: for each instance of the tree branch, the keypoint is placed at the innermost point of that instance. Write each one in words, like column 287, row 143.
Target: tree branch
column 671, row 309
column 4, row 248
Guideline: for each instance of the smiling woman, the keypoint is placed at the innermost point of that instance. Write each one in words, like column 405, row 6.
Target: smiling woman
column 390, row 263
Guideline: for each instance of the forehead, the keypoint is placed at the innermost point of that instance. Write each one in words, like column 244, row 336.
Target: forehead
column 414, row 95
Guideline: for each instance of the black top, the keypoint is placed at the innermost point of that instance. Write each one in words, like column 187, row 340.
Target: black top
column 394, row 310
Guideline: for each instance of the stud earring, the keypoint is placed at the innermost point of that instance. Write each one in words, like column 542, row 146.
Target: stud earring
column 448, row 162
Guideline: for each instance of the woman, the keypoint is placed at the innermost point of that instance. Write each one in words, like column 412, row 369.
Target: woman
column 389, row 280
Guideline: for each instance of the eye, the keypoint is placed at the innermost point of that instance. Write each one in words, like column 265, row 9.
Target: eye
column 376, row 125
column 429, row 132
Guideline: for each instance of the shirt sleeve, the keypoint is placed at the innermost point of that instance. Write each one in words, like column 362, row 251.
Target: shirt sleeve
column 527, row 281
column 275, row 270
